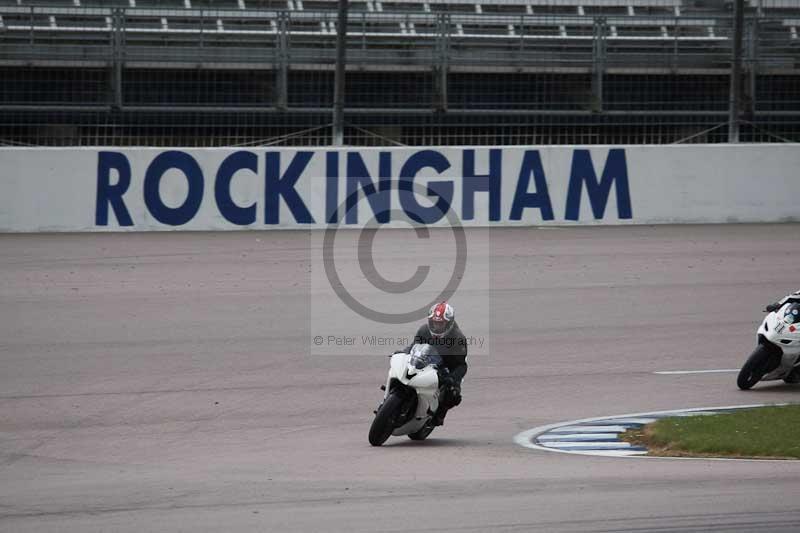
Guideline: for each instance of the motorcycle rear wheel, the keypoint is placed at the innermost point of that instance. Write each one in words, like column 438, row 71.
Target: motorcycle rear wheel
column 383, row 425
column 754, row 368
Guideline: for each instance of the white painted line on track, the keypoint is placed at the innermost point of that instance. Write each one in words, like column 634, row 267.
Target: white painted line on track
column 526, row 438
column 571, row 444
column 574, row 436
column 693, row 413
column 607, row 453
column 634, row 420
column 680, row 372
column 590, row 429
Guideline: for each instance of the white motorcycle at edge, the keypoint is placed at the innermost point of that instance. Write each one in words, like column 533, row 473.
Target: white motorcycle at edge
column 777, row 355
column 411, row 396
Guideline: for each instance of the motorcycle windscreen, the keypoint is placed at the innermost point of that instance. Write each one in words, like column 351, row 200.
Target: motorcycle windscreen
column 423, row 355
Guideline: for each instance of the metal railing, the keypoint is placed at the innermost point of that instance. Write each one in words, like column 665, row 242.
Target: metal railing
column 412, row 76
column 163, row 36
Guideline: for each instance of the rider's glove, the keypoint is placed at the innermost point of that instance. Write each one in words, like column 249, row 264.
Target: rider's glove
column 772, row 307
column 451, row 395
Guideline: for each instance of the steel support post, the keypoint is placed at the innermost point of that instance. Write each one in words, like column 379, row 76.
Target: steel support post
column 339, row 80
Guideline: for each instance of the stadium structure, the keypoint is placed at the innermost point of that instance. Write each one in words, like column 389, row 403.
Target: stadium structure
column 418, row 72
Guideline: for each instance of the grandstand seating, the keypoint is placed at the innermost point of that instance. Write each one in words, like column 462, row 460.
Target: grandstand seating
column 601, row 59
column 509, row 18
column 479, row 19
column 638, row 19
column 244, row 23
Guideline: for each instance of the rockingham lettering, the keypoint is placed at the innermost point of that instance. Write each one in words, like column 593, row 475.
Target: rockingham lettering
column 426, row 184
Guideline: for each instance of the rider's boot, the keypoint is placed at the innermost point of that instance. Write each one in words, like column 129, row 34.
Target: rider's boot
column 438, row 417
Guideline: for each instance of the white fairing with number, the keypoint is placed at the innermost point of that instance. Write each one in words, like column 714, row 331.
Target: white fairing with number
column 785, row 336
column 424, row 381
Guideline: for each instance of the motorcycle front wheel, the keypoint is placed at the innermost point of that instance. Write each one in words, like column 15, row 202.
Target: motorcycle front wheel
column 383, row 425
column 755, row 367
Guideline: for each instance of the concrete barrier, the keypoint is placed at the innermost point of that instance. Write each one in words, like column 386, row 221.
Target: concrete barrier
column 147, row 189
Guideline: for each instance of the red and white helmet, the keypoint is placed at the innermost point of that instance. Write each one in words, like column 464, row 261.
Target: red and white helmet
column 441, row 319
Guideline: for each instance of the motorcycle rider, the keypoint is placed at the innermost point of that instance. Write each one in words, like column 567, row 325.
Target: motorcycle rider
column 442, row 332
column 794, row 297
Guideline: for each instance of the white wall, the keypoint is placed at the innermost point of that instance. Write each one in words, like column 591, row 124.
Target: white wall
column 57, row 189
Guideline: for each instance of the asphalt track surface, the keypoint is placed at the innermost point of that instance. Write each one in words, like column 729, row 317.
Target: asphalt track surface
column 163, row 382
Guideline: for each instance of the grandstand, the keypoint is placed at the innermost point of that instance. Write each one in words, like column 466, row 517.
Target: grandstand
column 260, row 72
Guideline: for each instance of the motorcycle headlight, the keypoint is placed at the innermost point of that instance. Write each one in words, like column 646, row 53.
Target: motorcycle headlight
column 418, row 361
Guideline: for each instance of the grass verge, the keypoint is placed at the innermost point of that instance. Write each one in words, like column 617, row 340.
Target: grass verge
column 762, row 433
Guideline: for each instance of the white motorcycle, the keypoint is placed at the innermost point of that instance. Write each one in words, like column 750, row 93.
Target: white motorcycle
column 411, row 396
column 777, row 355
